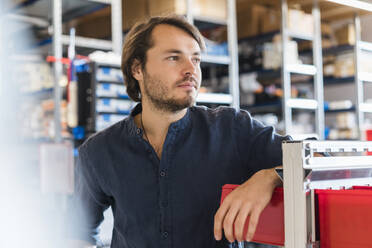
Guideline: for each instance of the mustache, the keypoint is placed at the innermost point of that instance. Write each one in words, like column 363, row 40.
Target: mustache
column 188, row 79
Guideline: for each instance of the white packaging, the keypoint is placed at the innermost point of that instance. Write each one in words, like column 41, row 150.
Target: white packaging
column 272, row 54
column 106, row 120
column 111, row 90
column 108, row 74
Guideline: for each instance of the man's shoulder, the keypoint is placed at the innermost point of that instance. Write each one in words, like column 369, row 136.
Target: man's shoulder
column 221, row 112
column 103, row 138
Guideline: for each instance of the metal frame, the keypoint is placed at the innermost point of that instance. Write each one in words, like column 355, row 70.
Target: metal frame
column 232, row 60
column 298, row 156
column 59, row 40
column 360, row 77
column 57, row 50
column 287, row 102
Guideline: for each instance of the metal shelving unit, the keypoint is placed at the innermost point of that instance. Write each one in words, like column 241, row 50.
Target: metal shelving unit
column 102, row 97
column 231, row 60
column 38, row 12
column 315, row 70
column 299, row 166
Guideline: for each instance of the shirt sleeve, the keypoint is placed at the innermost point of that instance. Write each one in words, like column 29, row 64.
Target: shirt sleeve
column 259, row 146
column 89, row 202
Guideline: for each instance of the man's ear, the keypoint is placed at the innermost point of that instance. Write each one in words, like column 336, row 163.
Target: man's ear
column 137, row 70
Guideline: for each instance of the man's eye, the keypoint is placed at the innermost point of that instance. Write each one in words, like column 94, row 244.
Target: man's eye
column 196, row 60
column 173, row 58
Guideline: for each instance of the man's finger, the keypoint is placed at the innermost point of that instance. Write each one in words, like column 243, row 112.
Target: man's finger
column 253, row 221
column 228, row 222
column 219, row 218
column 240, row 222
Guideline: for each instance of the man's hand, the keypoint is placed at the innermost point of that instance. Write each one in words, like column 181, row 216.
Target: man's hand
column 249, row 199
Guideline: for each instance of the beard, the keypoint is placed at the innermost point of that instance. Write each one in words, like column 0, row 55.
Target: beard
column 159, row 94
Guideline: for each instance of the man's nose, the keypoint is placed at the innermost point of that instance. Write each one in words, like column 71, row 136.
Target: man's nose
column 189, row 67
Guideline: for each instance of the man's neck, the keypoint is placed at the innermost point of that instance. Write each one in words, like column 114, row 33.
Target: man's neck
column 155, row 123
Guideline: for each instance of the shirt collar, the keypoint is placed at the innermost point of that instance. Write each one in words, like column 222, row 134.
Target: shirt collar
column 132, row 129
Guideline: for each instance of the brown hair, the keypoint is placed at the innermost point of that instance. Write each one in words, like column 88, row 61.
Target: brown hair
column 138, row 41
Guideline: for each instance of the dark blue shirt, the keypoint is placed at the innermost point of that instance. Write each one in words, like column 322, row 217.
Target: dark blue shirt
column 170, row 202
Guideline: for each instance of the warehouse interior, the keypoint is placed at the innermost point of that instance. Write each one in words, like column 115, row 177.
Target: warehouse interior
column 301, row 66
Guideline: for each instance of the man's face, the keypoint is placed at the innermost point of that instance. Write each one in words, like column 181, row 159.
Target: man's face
column 172, row 75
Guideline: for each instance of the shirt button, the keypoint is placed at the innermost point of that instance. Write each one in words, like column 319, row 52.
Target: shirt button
column 138, row 131
column 162, row 173
column 165, row 235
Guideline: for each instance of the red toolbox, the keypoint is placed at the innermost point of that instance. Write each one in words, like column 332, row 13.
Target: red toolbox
column 270, row 228
column 345, row 217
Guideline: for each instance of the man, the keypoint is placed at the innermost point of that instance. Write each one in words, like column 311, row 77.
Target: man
column 162, row 168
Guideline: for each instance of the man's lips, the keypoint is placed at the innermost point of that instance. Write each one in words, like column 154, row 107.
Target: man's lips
column 187, row 85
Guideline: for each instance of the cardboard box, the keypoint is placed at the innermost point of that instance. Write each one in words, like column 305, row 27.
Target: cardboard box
column 298, row 21
column 215, row 9
column 249, row 19
column 326, row 29
column 271, row 21
column 346, row 35
column 272, row 54
column 344, row 65
column 98, row 24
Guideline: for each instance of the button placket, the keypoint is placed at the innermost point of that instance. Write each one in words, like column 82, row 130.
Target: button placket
column 162, row 173
column 165, row 234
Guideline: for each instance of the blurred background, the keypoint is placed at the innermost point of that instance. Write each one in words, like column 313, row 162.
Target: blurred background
column 60, row 82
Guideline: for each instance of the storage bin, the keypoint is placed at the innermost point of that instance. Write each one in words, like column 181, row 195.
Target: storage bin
column 270, row 228
column 345, row 217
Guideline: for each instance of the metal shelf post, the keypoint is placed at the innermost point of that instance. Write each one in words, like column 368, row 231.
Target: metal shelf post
column 358, row 82
column 233, row 53
column 318, row 77
column 116, row 26
column 286, row 76
column 57, row 49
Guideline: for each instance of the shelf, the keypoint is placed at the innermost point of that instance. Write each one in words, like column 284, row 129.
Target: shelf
column 299, row 36
column 217, row 98
column 330, row 111
column 271, row 107
column 71, row 9
column 333, row 80
column 215, row 59
column 106, row 64
column 261, row 38
column 331, row 50
column 365, row 46
column 114, row 113
column 88, row 42
column 365, row 107
column 121, row 97
column 302, row 69
column 299, row 103
column 365, row 76
column 205, row 23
